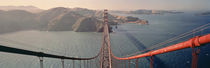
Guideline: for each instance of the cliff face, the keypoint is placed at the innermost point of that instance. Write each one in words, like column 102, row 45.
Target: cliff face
column 88, row 24
column 63, row 22
column 59, row 19
column 50, row 15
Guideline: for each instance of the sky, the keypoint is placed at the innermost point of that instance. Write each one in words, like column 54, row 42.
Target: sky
column 114, row 4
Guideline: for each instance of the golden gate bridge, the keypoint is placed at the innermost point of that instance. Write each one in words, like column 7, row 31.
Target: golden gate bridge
column 106, row 59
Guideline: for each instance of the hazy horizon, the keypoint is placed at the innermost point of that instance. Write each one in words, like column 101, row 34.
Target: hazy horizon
column 114, row 4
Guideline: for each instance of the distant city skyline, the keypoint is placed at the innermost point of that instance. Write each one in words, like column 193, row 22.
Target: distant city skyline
column 114, row 4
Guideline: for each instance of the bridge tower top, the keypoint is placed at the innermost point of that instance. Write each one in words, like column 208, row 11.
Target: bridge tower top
column 106, row 57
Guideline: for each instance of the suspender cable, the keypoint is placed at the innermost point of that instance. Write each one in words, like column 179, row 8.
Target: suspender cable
column 84, row 63
column 129, row 63
column 73, row 63
column 137, row 63
column 41, row 62
column 151, row 61
column 195, row 54
column 87, row 63
column 80, row 64
column 62, row 61
column 124, row 63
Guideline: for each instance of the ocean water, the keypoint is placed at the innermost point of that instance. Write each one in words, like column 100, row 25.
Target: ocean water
column 74, row 44
column 125, row 41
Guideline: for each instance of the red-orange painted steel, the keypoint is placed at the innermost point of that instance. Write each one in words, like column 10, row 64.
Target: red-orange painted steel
column 137, row 63
column 195, row 54
column 196, row 41
column 129, row 63
column 151, row 61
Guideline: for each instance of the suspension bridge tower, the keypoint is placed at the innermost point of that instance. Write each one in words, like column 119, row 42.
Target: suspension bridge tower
column 106, row 52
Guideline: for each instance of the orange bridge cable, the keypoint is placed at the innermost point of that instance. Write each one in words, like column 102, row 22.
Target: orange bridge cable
column 171, row 40
column 205, row 39
column 167, row 41
column 181, row 36
column 184, row 34
column 155, row 46
column 188, row 33
column 198, row 28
